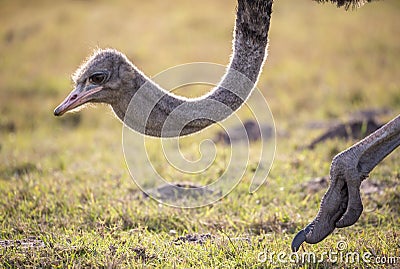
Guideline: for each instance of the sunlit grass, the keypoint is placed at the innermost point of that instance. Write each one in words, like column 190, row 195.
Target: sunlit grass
column 64, row 181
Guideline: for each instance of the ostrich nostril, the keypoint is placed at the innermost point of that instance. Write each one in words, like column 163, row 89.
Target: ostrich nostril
column 73, row 97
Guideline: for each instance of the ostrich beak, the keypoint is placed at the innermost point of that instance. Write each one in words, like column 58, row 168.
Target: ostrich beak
column 76, row 98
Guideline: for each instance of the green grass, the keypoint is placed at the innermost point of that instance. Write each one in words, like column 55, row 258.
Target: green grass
column 64, row 181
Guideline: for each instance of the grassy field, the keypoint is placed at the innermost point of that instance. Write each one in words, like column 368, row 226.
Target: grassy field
column 66, row 196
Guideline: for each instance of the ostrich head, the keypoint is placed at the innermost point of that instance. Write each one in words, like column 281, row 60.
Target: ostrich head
column 103, row 78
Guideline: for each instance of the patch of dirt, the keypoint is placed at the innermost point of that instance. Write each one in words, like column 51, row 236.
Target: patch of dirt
column 314, row 185
column 18, row 170
column 141, row 254
column 8, row 127
column 30, row 242
column 194, row 238
column 253, row 130
column 24, row 168
column 168, row 191
column 355, row 129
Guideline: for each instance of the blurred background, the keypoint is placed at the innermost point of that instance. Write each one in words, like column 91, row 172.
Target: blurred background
column 323, row 61
column 325, row 64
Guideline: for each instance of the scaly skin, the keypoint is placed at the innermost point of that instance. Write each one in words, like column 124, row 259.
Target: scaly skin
column 341, row 205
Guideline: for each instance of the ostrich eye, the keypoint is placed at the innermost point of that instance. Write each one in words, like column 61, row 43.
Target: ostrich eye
column 98, row 78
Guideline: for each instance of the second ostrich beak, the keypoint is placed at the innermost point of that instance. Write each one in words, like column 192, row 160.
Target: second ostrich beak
column 76, row 98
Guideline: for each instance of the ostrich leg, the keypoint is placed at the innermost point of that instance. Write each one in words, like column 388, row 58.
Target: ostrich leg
column 341, row 205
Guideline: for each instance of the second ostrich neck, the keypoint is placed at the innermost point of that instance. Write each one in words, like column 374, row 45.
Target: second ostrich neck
column 152, row 107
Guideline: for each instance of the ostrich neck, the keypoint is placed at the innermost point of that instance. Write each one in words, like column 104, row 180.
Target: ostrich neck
column 155, row 112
